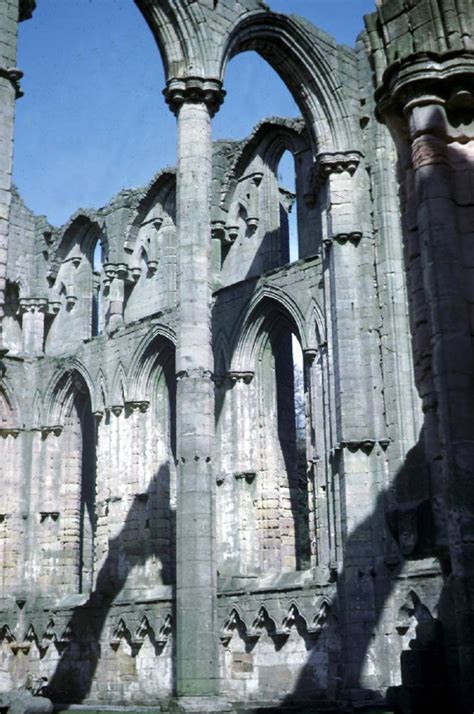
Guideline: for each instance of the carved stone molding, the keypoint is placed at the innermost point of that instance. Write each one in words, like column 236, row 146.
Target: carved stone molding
column 248, row 476
column 116, row 270
column 310, row 355
column 14, row 75
column 365, row 445
column 194, row 89
column 240, row 376
column 342, row 238
column 218, row 231
column 140, row 405
column 51, row 515
column 55, row 429
column 231, row 378
column 194, row 374
column 54, row 307
column 9, row 431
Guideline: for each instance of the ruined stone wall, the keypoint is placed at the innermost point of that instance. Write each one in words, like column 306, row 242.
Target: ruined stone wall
column 171, row 523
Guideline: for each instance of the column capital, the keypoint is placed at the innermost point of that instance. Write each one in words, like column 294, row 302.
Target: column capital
column 194, row 89
column 415, row 50
column 444, row 80
column 33, row 305
column 336, row 162
column 14, row 75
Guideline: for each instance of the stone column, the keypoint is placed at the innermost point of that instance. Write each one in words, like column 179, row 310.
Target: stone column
column 194, row 102
column 359, row 437
column 11, row 12
column 428, row 106
column 33, row 310
column 115, row 274
column 440, row 202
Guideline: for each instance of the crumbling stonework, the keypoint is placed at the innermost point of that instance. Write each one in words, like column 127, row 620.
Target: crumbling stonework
column 189, row 510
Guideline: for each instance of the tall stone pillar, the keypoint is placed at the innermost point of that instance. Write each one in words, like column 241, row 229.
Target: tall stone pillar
column 427, row 101
column 359, row 439
column 11, row 12
column 194, row 103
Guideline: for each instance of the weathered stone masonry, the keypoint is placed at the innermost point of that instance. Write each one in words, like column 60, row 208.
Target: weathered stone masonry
column 188, row 509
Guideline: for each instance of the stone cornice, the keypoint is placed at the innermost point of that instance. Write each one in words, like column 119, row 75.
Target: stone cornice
column 194, row 89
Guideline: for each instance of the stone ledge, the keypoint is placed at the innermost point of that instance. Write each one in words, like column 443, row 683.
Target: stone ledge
column 201, row 705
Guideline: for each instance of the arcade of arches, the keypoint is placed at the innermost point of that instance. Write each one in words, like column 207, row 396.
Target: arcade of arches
column 236, row 419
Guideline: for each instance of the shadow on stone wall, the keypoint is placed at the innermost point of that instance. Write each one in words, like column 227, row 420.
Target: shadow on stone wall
column 423, row 667
column 72, row 679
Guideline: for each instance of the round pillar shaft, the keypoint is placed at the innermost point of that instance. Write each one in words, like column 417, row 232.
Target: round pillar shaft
column 196, row 584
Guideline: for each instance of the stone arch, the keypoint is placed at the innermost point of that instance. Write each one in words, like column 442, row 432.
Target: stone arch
column 246, row 334
column 172, row 25
column 119, row 387
column 161, row 189
column 300, row 57
column 56, row 400
column 256, row 206
column 101, row 393
column 160, row 337
column 270, row 138
column 222, row 355
column 82, row 233
column 68, row 476
column 316, row 325
column 263, row 446
column 10, row 417
column 151, row 244
column 74, row 286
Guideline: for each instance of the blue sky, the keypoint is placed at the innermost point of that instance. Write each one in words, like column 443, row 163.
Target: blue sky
column 93, row 119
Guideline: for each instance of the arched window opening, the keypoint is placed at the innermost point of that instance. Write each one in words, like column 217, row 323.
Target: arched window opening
column 98, row 258
column 288, row 208
column 68, row 482
column 289, row 395
column 12, row 326
column 266, row 95
column 88, row 489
